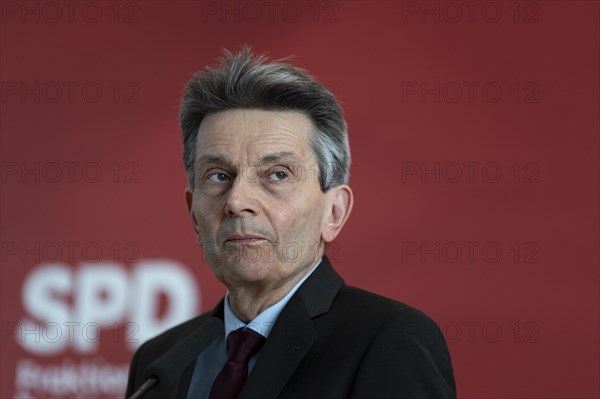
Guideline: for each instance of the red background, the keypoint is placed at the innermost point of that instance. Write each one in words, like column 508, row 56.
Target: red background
column 542, row 294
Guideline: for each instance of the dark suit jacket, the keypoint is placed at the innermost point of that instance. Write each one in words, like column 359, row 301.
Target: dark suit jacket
column 330, row 341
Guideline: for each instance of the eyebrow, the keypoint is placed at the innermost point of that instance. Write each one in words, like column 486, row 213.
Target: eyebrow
column 267, row 158
column 276, row 156
column 216, row 159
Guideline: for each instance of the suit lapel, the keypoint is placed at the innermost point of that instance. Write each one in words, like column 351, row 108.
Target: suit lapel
column 183, row 383
column 291, row 337
column 293, row 334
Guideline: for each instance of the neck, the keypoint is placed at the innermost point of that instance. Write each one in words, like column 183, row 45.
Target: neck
column 247, row 304
column 248, row 301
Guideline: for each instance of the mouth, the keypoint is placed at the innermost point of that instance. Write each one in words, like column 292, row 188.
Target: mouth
column 244, row 239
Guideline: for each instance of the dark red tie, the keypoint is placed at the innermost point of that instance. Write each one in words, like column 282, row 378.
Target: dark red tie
column 241, row 345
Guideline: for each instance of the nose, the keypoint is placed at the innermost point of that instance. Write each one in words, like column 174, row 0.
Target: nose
column 242, row 198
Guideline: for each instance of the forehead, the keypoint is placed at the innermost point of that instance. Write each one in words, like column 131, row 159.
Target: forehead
column 245, row 134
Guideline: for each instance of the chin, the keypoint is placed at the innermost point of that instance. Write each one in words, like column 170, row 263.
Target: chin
column 236, row 270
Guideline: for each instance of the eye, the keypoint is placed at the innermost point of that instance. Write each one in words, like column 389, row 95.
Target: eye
column 217, row 177
column 277, row 176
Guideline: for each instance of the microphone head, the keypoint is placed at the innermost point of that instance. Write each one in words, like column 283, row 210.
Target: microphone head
column 172, row 363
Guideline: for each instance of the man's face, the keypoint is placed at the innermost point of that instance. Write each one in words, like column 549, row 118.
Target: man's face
column 257, row 206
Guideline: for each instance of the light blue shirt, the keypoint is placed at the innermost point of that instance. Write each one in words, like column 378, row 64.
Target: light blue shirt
column 210, row 361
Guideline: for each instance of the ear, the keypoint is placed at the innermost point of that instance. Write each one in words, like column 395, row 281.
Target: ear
column 339, row 208
column 189, row 199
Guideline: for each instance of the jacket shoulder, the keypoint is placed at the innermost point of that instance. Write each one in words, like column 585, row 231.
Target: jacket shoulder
column 374, row 307
column 406, row 350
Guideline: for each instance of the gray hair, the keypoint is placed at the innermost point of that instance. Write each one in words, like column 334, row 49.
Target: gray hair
column 246, row 81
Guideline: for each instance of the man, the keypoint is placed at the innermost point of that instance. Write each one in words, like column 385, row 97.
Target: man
column 267, row 157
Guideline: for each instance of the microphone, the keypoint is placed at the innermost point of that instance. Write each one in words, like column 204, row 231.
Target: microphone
column 167, row 368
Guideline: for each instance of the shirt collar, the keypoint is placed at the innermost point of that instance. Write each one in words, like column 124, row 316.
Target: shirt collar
column 264, row 321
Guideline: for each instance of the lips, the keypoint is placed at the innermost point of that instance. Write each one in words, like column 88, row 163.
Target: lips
column 243, row 239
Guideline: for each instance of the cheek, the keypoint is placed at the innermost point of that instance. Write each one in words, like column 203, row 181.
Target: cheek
column 300, row 219
column 207, row 217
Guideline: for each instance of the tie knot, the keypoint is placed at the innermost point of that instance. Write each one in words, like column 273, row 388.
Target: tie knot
column 242, row 344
